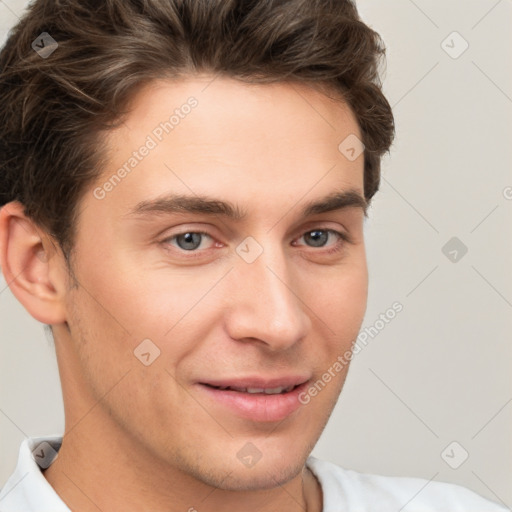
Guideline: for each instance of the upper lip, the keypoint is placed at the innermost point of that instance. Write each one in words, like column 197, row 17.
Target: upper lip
column 258, row 382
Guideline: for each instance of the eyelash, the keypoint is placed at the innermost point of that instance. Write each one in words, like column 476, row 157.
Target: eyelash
column 343, row 238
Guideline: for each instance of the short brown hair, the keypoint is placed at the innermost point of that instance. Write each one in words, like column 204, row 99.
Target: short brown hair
column 53, row 110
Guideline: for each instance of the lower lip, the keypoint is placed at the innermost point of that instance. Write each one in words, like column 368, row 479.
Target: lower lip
column 257, row 406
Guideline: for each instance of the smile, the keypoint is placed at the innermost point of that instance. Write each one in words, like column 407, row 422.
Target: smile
column 258, row 404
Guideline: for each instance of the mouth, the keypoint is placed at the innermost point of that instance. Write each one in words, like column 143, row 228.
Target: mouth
column 261, row 401
column 279, row 390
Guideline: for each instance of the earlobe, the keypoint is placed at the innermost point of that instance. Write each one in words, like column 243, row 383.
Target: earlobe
column 27, row 256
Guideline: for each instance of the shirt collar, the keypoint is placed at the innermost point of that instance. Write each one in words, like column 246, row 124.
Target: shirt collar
column 27, row 489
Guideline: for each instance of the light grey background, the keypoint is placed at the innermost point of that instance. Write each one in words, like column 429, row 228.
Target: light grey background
column 439, row 372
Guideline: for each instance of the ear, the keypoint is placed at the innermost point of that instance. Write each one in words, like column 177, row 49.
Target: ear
column 33, row 268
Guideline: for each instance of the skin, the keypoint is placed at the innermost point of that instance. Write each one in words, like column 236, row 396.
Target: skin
column 146, row 430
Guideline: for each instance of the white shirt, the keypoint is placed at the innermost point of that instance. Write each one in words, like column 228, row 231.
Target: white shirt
column 344, row 490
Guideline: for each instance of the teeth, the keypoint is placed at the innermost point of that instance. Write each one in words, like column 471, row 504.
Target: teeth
column 268, row 391
column 273, row 391
column 242, row 390
column 255, row 390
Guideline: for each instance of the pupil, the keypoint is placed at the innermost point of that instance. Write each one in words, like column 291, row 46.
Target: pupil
column 318, row 241
column 191, row 241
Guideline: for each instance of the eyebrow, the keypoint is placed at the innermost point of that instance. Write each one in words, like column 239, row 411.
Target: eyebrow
column 200, row 204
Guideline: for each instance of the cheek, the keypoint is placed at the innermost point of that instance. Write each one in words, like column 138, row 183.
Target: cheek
column 113, row 368
column 340, row 301
column 135, row 301
column 128, row 319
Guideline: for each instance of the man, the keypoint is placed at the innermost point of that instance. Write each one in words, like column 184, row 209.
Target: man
column 184, row 187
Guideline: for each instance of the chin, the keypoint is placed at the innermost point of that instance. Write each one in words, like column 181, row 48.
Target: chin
column 262, row 476
column 230, row 474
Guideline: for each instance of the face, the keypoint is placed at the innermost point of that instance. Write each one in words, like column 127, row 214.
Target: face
column 200, row 267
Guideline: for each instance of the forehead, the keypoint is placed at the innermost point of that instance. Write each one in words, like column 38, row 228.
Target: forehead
column 206, row 110
column 220, row 137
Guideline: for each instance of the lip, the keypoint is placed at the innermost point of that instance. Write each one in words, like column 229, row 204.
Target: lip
column 258, row 382
column 257, row 407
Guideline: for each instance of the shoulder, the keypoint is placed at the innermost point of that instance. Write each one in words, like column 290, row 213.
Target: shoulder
column 355, row 490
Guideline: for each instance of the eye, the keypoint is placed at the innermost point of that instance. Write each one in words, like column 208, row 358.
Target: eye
column 189, row 240
column 320, row 237
column 194, row 241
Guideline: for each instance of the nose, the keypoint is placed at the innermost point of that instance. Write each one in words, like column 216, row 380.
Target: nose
column 263, row 304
